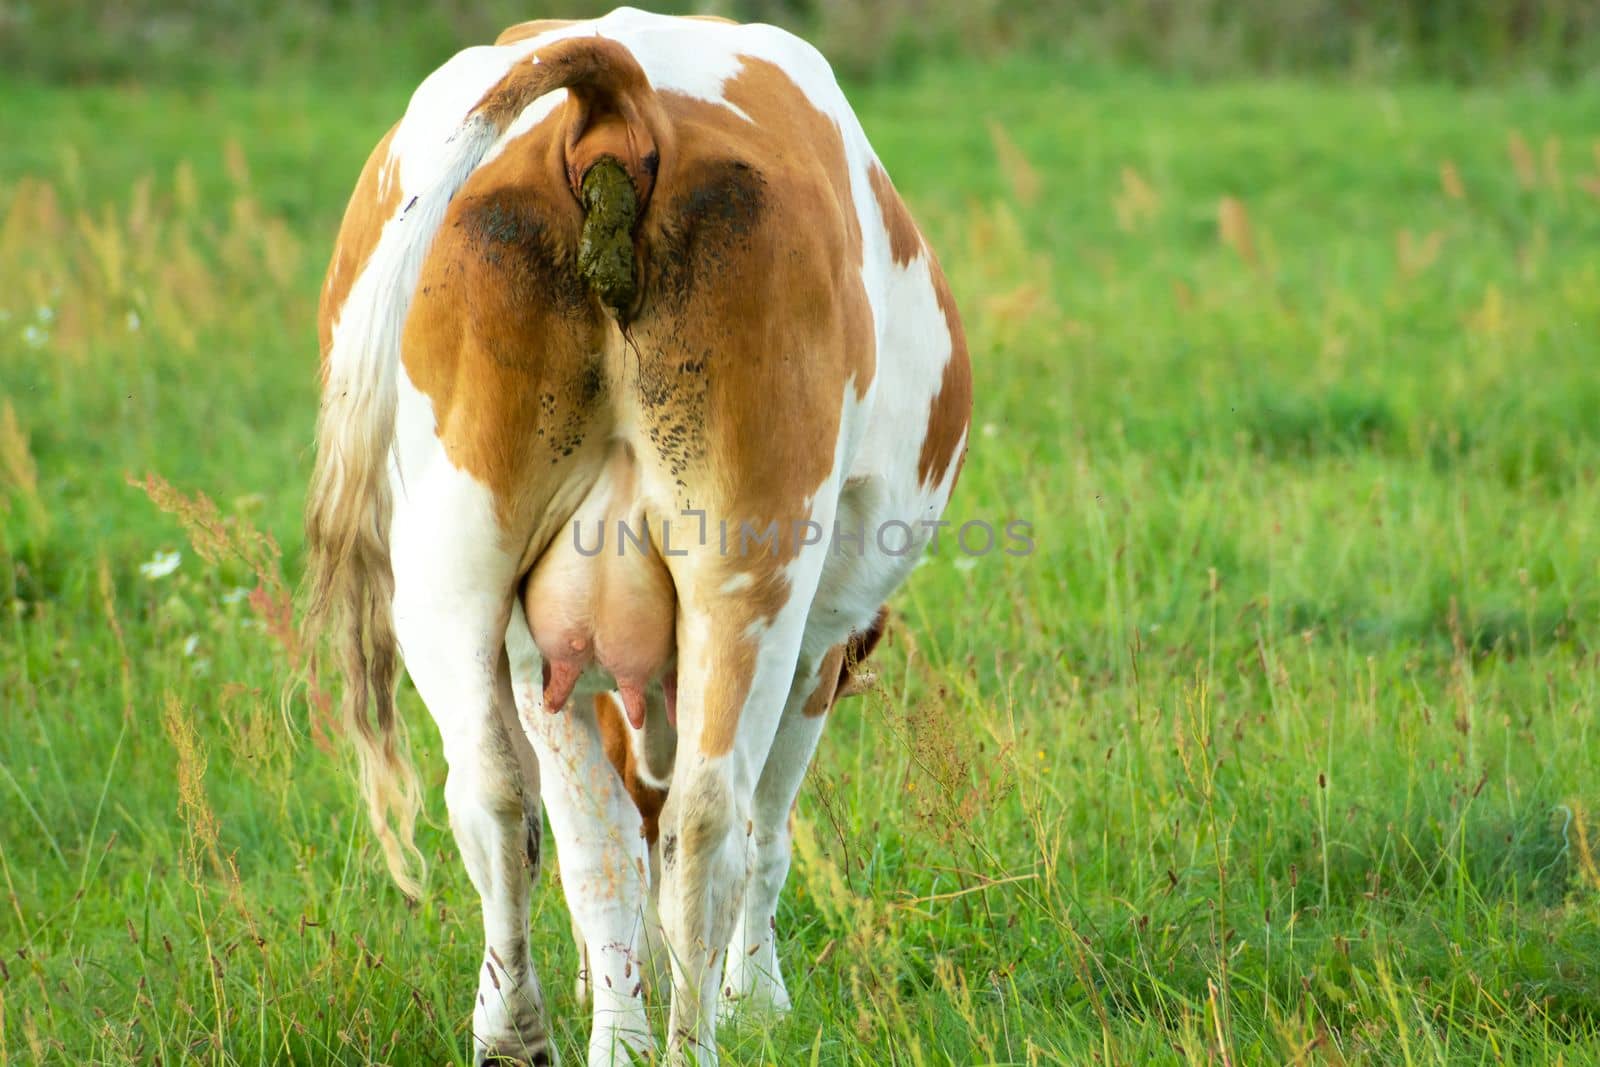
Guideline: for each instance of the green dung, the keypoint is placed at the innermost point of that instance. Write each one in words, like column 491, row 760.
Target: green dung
column 605, row 249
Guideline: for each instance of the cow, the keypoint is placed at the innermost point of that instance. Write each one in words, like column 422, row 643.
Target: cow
column 637, row 281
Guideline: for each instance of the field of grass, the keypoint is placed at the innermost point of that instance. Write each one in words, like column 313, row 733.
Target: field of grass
column 1282, row 747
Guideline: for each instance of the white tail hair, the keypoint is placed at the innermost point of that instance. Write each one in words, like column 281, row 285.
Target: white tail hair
column 348, row 509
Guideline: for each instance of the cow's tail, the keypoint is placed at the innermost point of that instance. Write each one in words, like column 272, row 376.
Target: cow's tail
column 614, row 136
column 611, row 113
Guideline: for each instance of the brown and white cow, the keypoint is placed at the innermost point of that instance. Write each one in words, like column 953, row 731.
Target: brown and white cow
column 647, row 271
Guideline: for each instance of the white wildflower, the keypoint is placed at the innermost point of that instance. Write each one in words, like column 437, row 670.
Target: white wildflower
column 160, row 565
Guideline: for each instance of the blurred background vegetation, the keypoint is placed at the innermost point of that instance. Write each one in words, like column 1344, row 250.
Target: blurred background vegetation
column 203, row 41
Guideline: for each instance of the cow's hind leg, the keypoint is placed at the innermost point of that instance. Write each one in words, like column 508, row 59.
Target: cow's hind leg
column 602, row 853
column 752, row 979
column 452, row 593
column 733, row 683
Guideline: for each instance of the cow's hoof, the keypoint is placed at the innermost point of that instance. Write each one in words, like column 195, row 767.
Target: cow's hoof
column 533, row 1057
column 761, row 1006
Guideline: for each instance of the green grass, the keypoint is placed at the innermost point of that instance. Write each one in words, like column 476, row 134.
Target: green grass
column 1281, row 746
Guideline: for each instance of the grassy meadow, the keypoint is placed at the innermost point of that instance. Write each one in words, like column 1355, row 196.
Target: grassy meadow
column 1282, row 746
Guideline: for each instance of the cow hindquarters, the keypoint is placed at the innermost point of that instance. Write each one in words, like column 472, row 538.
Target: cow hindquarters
column 452, row 586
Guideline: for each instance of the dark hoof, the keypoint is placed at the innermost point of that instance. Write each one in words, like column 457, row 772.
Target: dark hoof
column 539, row 1057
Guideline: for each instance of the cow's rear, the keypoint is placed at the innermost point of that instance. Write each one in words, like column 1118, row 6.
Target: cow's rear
column 609, row 373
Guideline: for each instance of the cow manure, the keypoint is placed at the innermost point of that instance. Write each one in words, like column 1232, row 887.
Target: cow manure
column 605, row 248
